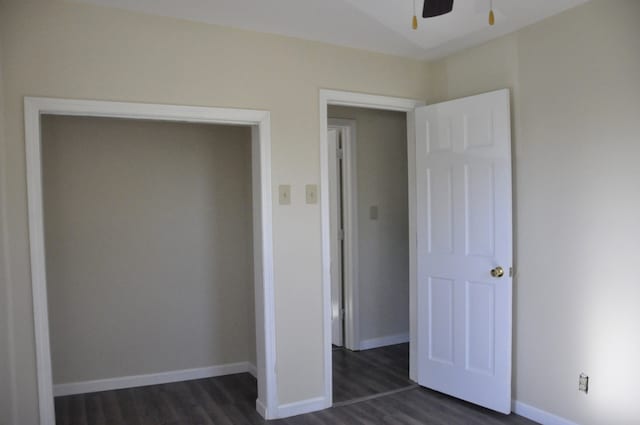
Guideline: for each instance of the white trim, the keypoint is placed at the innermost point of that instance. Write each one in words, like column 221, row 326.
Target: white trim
column 413, row 243
column 302, row 407
column 350, row 218
column 252, row 370
column 538, row 415
column 265, row 312
column 38, row 274
column 383, row 341
column 261, row 408
column 334, row 97
column 149, row 379
column 370, row 101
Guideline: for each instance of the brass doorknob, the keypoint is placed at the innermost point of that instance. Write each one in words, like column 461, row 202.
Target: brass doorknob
column 497, row 272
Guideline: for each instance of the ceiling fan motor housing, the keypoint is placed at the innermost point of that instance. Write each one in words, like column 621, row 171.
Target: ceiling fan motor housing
column 436, row 8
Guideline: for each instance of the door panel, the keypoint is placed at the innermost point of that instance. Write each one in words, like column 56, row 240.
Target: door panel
column 463, row 163
column 441, row 320
column 479, row 215
column 440, row 215
column 480, row 338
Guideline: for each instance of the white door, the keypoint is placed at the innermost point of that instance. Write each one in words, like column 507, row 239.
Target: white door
column 335, row 224
column 463, row 163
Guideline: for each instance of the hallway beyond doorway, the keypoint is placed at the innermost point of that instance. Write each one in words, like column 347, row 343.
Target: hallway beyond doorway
column 362, row 374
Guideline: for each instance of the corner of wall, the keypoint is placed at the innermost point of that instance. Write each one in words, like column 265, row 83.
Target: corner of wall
column 437, row 81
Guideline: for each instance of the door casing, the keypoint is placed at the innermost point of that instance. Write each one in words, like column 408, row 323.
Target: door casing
column 260, row 122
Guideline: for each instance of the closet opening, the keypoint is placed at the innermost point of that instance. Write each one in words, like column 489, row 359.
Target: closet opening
column 155, row 291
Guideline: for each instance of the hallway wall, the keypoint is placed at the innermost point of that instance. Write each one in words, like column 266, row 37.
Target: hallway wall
column 383, row 246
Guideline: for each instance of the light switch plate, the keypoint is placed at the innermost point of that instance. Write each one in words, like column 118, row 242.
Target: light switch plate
column 284, row 194
column 311, row 193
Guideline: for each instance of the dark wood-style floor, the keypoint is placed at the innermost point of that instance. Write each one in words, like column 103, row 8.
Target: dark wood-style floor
column 230, row 400
column 366, row 373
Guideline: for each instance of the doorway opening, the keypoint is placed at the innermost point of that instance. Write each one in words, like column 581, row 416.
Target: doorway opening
column 369, row 251
column 261, row 294
column 148, row 237
column 459, row 198
column 368, row 243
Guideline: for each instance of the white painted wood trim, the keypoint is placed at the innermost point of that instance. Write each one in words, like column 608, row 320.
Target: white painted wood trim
column 343, row 98
column 383, row 341
column 261, row 408
column 326, row 251
column 302, row 407
column 413, row 243
column 38, row 270
column 34, row 107
column 538, row 415
column 150, row 379
column 146, row 111
column 370, row 101
column 263, row 269
column 350, row 210
column 252, row 370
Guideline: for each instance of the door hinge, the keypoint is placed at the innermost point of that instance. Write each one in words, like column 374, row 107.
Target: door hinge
column 339, row 153
column 341, row 234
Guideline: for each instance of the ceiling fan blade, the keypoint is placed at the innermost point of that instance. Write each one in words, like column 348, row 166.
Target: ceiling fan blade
column 436, row 8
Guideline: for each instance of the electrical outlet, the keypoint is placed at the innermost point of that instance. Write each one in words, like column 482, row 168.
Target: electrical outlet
column 583, row 383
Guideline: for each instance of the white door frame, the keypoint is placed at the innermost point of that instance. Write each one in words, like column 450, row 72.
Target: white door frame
column 347, row 128
column 360, row 100
column 260, row 121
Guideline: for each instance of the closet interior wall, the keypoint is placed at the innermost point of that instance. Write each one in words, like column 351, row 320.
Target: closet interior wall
column 148, row 234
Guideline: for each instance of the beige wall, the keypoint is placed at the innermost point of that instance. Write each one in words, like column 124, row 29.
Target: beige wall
column 383, row 246
column 62, row 49
column 576, row 91
column 148, row 229
column 5, row 364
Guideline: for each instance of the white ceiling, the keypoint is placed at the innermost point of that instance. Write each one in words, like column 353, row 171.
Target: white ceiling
column 377, row 25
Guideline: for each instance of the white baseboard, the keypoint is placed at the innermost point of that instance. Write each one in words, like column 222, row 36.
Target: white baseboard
column 538, row 415
column 262, row 409
column 384, row 341
column 151, row 379
column 253, row 371
column 302, row 407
